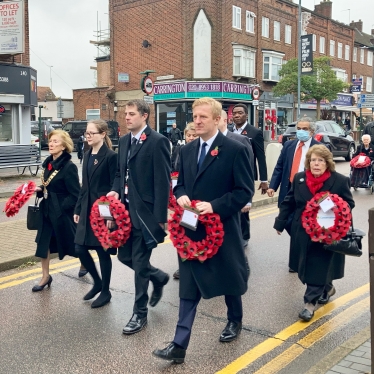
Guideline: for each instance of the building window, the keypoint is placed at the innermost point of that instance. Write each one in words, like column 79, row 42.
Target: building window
column 340, row 50
column 355, row 54
column 277, row 30
column 353, row 76
column 92, row 114
column 370, row 58
column 287, row 34
column 322, row 45
column 347, row 52
column 250, row 21
column 103, row 106
column 265, row 27
column 6, row 129
column 368, row 84
column 341, row 74
column 332, row 48
column 314, row 42
column 236, row 17
column 362, row 56
column 273, row 62
column 244, row 62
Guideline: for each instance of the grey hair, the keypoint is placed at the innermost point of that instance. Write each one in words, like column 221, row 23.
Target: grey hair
column 367, row 135
column 312, row 124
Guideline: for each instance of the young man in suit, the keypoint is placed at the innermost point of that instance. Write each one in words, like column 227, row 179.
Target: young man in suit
column 212, row 160
column 142, row 182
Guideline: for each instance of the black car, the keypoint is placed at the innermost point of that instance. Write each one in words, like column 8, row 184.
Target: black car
column 77, row 128
column 45, row 130
column 338, row 141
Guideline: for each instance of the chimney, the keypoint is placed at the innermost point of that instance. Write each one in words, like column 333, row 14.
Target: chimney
column 324, row 8
column 358, row 25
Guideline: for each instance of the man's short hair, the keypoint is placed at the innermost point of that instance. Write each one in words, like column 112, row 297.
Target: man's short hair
column 312, row 124
column 241, row 106
column 215, row 105
column 141, row 106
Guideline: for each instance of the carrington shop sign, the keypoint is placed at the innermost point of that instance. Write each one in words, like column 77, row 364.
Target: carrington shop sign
column 194, row 90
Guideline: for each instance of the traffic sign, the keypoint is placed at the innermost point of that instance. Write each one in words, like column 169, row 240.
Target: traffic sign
column 365, row 98
column 256, row 94
column 255, row 102
column 365, row 105
column 149, row 99
column 148, row 85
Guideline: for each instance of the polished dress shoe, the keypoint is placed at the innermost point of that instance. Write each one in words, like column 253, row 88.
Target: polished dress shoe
column 291, row 270
column 306, row 315
column 41, row 288
column 325, row 298
column 135, row 325
column 230, row 332
column 82, row 272
column 173, row 352
column 94, row 291
column 157, row 293
column 102, row 300
column 176, row 274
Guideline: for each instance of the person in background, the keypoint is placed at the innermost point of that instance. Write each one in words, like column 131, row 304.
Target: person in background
column 175, row 135
column 59, row 190
column 98, row 172
column 80, row 147
column 347, row 123
column 316, row 267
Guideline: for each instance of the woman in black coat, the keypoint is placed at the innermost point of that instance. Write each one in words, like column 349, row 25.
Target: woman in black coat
column 98, row 172
column 59, row 190
column 316, row 267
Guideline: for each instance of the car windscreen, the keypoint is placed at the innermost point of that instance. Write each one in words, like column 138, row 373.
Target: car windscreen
column 290, row 129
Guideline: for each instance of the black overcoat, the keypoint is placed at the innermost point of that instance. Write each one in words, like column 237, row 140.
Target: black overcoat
column 314, row 264
column 223, row 180
column 96, row 182
column 56, row 229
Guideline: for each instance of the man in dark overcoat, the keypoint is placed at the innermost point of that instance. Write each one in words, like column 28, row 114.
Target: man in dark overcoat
column 143, row 183
column 213, row 170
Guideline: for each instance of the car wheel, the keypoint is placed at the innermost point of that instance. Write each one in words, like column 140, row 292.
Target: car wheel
column 351, row 151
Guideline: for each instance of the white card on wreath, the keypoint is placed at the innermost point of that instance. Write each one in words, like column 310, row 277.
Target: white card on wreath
column 189, row 219
column 326, row 219
column 174, row 182
column 105, row 211
column 361, row 159
column 326, row 204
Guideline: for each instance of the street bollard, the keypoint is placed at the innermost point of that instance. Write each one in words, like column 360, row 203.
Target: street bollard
column 371, row 264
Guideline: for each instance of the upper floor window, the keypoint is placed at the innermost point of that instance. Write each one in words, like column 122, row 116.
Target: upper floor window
column 250, row 21
column 370, row 58
column 92, row 113
column 355, row 54
column 265, row 27
column 244, row 62
column 314, row 42
column 369, row 84
column 322, row 45
column 362, row 56
column 287, row 34
column 340, row 50
column 236, row 17
column 332, row 48
column 277, row 30
column 341, row 74
column 347, row 52
column 273, row 62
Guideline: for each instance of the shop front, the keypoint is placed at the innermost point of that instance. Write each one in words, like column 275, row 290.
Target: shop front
column 17, row 96
column 173, row 100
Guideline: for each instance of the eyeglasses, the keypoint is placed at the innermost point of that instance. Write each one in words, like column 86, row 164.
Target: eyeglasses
column 89, row 134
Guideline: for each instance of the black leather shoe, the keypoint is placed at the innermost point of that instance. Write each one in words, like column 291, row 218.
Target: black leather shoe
column 176, row 274
column 230, row 332
column 306, row 315
column 94, row 291
column 325, row 298
column 41, row 288
column 172, row 352
column 82, row 272
column 291, row 270
column 157, row 293
column 102, row 300
column 135, row 325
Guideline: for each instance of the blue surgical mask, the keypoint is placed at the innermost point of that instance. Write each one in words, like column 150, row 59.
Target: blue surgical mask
column 302, row 135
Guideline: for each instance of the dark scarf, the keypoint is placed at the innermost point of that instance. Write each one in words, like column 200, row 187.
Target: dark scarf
column 57, row 164
column 315, row 183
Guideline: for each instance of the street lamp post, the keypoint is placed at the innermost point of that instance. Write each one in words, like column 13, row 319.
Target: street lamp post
column 40, row 131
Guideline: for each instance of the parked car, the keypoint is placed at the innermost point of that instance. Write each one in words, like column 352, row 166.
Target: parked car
column 46, row 129
column 77, row 128
column 338, row 141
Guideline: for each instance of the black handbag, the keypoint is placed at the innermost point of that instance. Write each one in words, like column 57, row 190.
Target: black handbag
column 350, row 245
column 33, row 215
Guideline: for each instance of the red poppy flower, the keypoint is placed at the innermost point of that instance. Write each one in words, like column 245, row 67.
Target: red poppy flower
column 21, row 195
column 214, row 152
column 244, row 132
column 49, row 166
column 143, row 137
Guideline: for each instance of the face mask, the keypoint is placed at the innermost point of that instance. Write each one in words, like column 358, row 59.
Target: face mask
column 302, row 135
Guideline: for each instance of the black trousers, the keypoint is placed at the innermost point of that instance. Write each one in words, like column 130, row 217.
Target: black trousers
column 135, row 255
column 245, row 224
column 314, row 292
column 105, row 264
column 187, row 313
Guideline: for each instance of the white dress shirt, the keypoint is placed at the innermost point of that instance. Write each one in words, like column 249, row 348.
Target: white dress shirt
column 209, row 143
column 304, row 150
column 137, row 136
column 240, row 129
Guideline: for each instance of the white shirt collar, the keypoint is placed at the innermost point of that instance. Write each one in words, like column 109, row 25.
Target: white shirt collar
column 240, row 129
column 137, row 136
column 209, row 141
column 225, row 132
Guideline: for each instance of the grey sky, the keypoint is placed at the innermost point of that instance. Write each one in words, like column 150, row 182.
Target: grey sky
column 60, row 32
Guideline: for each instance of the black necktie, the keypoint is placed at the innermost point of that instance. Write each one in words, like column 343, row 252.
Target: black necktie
column 202, row 156
column 132, row 147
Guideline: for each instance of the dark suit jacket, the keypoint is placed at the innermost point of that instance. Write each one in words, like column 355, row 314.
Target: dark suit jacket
column 149, row 178
column 96, row 182
column 245, row 141
column 257, row 141
column 223, row 180
column 282, row 170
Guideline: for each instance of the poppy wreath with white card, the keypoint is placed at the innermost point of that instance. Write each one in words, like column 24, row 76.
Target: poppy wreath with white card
column 107, row 238
column 189, row 249
column 172, row 200
column 326, row 218
column 21, row 195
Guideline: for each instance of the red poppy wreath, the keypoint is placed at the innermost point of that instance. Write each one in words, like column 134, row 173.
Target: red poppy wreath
column 342, row 221
column 359, row 165
column 189, row 249
column 118, row 237
column 172, row 199
column 19, row 198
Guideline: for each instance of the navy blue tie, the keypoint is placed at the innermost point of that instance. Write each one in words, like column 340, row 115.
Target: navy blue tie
column 202, row 155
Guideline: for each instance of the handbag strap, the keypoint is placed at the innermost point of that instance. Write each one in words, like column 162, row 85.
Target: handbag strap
column 36, row 201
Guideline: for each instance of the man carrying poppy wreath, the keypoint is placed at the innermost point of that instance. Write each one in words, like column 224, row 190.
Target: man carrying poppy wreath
column 211, row 160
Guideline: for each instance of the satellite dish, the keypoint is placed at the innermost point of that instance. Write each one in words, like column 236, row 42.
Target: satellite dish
column 146, row 44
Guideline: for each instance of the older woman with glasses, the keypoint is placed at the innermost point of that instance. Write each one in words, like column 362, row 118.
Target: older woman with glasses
column 316, row 267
